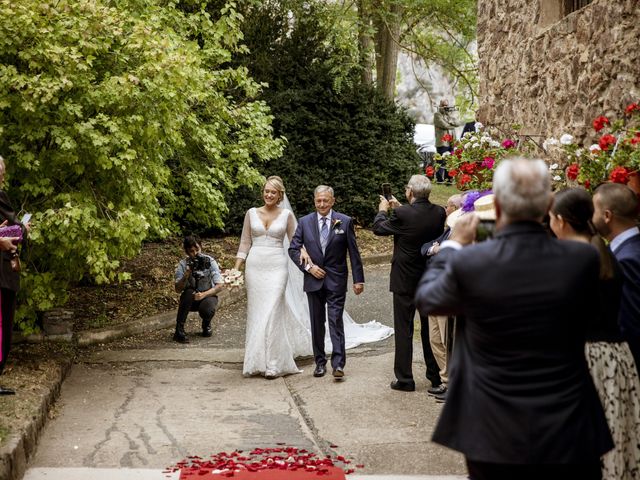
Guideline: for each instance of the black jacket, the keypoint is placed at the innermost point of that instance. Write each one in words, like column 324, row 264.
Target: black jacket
column 412, row 226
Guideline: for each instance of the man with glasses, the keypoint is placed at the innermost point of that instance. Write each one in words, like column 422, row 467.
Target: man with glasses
column 412, row 226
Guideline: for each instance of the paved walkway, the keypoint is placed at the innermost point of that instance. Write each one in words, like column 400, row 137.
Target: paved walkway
column 130, row 409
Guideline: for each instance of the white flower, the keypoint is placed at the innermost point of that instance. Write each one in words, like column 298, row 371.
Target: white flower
column 579, row 152
column 495, row 144
column 557, row 178
column 478, row 126
column 594, row 148
column 446, row 153
column 549, row 142
column 566, row 139
column 553, row 166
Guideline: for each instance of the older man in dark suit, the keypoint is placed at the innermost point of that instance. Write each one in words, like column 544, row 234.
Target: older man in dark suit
column 412, row 226
column 521, row 402
column 614, row 216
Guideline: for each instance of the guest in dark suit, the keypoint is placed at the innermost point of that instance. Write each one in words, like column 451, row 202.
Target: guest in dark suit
column 412, row 226
column 9, row 278
column 521, row 403
column 615, row 213
column 327, row 236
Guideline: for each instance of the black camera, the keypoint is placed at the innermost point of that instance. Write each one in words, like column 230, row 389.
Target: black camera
column 450, row 109
column 198, row 265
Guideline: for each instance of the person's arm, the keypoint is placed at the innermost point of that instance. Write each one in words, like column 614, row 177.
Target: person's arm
column 297, row 242
column 245, row 242
column 384, row 225
column 8, row 244
column 305, row 259
column 357, row 271
column 183, row 272
column 216, row 281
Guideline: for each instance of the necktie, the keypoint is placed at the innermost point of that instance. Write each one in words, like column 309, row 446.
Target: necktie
column 324, row 233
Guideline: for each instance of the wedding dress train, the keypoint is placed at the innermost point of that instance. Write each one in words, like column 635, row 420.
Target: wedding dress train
column 278, row 324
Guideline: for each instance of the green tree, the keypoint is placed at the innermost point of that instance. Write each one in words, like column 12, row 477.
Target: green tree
column 119, row 120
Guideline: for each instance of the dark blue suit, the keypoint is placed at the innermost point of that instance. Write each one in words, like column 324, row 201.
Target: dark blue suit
column 628, row 256
column 327, row 295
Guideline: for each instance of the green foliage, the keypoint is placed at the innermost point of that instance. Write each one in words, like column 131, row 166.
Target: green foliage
column 120, row 120
column 352, row 138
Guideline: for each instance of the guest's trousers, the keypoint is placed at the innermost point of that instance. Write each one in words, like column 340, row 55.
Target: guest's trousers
column 586, row 470
column 404, row 310
column 205, row 307
column 438, row 341
column 8, row 309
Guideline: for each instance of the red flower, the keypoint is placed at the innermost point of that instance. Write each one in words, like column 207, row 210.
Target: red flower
column 430, row 171
column 619, row 175
column 446, row 138
column 634, row 107
column 468, row 168
column 587, row 184
column 607, row 141
column 636, row 138
column 458, row 152
column 453, row 172
column 600, row 122
column 464, row 179
column 572, row 171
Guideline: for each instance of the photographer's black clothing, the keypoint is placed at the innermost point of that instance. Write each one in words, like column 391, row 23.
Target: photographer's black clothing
column 205, row 273
column 205, row 307
column 442, row 175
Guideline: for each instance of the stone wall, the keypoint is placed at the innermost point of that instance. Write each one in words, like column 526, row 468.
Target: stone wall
column 551, row 73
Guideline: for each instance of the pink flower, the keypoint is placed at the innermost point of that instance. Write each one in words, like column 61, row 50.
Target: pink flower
column 508, row 144
column 488, row 162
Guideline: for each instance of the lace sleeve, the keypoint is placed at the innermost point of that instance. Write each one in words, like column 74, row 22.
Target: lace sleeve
column 245, row 238
column 291, row 225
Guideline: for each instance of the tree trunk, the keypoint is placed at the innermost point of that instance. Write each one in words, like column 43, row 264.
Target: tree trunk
column 387, row 33
column 365, row 43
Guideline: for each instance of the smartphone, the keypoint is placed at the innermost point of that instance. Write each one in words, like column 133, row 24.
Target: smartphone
column 25, row 219
column 386, row 191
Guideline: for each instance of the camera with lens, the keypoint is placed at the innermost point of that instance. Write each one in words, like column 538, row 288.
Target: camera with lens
column 198, row 265
column 450, row 109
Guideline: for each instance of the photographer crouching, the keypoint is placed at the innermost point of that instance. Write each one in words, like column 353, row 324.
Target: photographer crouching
column 445, row 122
column 198, row 280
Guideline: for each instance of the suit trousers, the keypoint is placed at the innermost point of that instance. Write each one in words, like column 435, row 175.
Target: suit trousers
column 205, row 307
column 325, row 304
column 587, row 470
column 404, row 311
column 8, row 305
column 438, row 341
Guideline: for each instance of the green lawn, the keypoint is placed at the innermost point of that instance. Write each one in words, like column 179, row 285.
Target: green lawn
column 441, row 193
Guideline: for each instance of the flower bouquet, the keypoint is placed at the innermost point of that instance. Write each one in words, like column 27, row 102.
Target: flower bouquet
column 232, row 278
column 615, row 158
column 474, row 159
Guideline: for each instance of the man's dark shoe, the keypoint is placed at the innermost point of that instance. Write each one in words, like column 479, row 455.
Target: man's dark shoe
column 403, row 387
column 7, row 391
column 320, row 371
column 437, row 390
column 441, row 397
column 338, row 372
column 207, row 331
column 180, row 338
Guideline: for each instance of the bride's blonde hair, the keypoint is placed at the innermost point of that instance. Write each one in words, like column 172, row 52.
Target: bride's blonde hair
column 278, row 184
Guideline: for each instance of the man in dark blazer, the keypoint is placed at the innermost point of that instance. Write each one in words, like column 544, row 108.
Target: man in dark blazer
column 327, row 236
column 412, row 226
column 614, row 216
column 521, row 402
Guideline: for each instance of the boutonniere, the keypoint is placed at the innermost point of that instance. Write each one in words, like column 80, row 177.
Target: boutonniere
column 336, row 223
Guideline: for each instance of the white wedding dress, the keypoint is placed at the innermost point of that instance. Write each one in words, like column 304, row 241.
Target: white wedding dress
column 278, row 324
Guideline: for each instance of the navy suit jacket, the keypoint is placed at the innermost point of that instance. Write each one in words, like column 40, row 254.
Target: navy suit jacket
column 628, row 256
column 342, row 239
column 520, row 391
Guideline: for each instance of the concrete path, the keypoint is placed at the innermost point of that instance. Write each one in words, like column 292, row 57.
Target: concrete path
column 131, row 409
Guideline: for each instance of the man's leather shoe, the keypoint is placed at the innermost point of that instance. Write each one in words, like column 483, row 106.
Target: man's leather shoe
column 441, row 397
column 403, row 387
column 437, row 390
column 180, row 338
column 207, row 332
column 338, row 372
column 320, row 371
column 7, row 391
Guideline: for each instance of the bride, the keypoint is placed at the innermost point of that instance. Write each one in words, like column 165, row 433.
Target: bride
column 278, row 324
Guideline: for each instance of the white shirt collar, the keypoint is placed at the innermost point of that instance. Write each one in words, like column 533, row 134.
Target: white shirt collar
column 623, row 237
column 328, row 218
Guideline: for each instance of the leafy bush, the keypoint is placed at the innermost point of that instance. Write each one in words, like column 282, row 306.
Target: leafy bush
column 350, row 138
column 117, row 124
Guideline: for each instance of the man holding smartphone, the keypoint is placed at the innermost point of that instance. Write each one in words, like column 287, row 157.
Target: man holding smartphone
column 412, row 226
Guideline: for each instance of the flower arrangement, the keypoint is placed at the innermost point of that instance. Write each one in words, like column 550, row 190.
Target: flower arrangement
column 474, row 159
column 614, row 158
column 232, row 278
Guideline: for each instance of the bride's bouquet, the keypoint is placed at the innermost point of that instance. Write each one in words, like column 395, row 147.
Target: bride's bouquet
column 232, row 278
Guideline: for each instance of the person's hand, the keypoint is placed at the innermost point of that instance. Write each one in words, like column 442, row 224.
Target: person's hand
column 9, row 244
column 393, row 202
column 317, row 272
column 358, row 288
column 198, row 296
column 383, row 206
column 305, row 259
column 464, row 231
column 435, row 248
